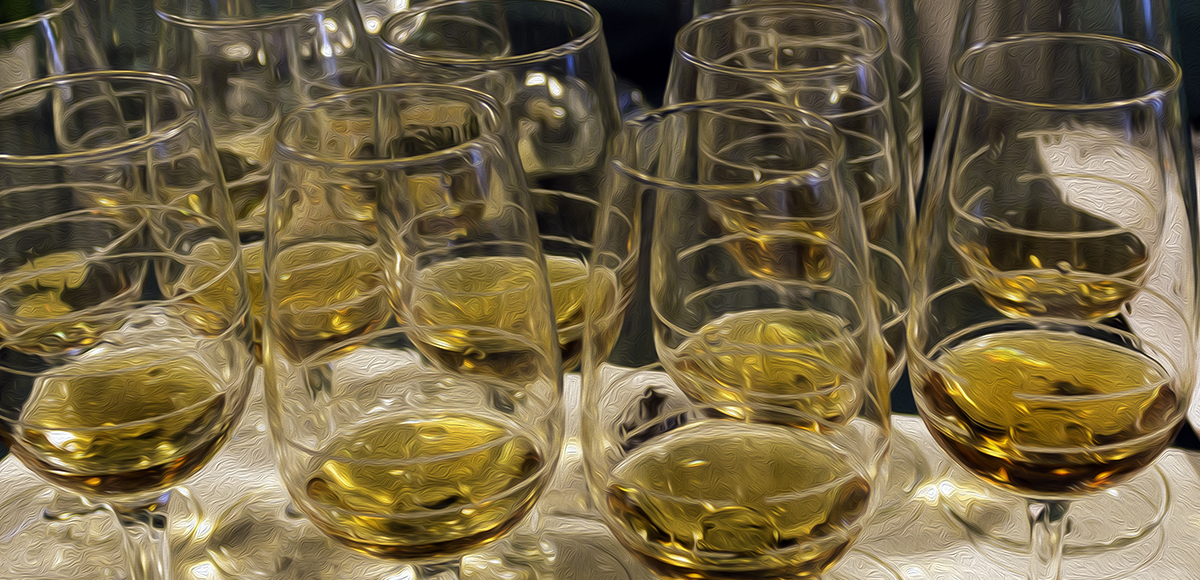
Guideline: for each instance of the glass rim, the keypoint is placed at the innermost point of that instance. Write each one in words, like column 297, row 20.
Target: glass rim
column 877, row 35
column 56, row 8
column 1155, row 92
column 188, row 115
column 480, row 101
column 582, row 41
column 833, row 145
column 242, row 22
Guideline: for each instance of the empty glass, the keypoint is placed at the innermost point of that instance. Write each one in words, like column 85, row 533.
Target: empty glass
column 899, row 20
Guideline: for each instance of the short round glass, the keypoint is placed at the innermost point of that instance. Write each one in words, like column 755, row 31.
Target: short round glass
column 125, row 359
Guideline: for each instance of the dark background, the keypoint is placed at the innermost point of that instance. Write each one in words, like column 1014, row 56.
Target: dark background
column 640, row 36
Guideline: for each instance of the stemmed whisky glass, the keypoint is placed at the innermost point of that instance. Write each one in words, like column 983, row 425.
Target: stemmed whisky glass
column 415, row 415
column 755, row 448
column 547, row 63
column 251, row 63
column 1052, row 338
column 125, row 359
column 835, row 63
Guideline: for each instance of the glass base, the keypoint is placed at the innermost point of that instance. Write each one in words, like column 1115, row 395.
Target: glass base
column 908, row 473
column 859, row 565
column 58, row 534
column 555, row 547
column 572, row 547
column 1110, row 534
column 264, row 537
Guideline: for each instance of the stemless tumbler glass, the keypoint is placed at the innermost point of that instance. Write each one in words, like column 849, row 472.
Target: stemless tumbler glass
column 546, row 62
column 1053, row 326
column 251, row 62
column 429, row 427
column 756, row 448
column 125, row 359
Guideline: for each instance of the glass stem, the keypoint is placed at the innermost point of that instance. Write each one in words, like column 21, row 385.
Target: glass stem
column 440, row 571
column 147, row 547
column 1048, row 529
column 65, row 505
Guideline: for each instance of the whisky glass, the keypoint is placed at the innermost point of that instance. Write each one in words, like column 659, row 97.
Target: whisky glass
column 125, row 359
column 414, row 405
column 1051, row 346
column 835, row 63
column 756, row 446
column 251, row 63
column 547, row 63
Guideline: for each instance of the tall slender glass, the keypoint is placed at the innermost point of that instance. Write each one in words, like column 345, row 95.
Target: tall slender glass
column 251, row 63
column 899, row 20
column 547, row 63
column 782, row 366
column 1052, row 337
column 125, row 357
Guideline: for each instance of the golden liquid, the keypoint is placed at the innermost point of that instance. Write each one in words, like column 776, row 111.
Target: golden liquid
column 324, row 292
column 1033, row 250
column 207, row 278
column 1024, row 276
column 803, row 360
column 423, row 485
column 719, row 499
column 1049, row 412
column 569, row 280
column 482, row 315
column 772, row 247
column 101, row 429
column 247, row 175
column 62, row 301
